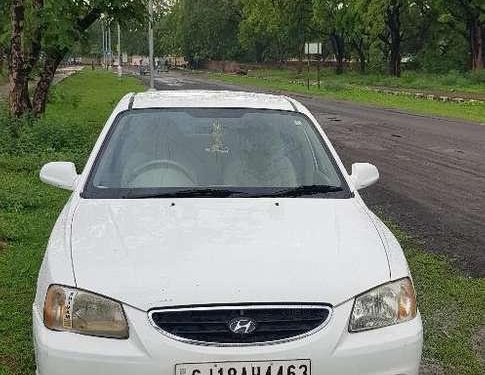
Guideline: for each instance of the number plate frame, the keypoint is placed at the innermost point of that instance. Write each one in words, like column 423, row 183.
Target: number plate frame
column 288, row 367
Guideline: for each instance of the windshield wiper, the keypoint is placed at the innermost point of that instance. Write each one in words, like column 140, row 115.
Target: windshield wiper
column 293, row 192
column 301, row 191
column 187, row 193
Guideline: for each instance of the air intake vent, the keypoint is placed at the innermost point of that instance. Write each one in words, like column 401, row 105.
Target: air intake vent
column 240, row 325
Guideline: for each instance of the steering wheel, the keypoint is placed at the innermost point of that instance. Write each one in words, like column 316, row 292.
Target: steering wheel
column 157, row 164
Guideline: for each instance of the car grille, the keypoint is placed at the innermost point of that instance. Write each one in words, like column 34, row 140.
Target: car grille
column 212, row 325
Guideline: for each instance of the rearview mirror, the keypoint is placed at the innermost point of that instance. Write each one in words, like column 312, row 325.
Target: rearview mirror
column 364, row 175
column 61, row 174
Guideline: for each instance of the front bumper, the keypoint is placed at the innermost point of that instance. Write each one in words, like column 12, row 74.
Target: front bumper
column 393, row 350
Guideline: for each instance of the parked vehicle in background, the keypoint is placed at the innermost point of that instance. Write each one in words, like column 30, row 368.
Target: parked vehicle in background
column 143, row 70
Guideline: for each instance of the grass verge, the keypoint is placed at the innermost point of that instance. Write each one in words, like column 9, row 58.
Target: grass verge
column 452, row 305
column 451, row 83
column 338, row 88
column 78, row 108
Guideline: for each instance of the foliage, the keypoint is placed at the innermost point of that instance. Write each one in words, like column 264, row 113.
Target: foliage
column 261, row 31
column 332, row 17
column 42, row 32
column 275, row 29
column 430, row 35
column 168, row 40
column 209, row 29
column 444, row 49
column 134, row 33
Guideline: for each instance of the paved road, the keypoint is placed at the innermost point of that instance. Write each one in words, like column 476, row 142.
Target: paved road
column 432, row 169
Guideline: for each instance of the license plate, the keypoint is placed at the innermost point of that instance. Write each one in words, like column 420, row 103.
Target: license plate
column 295, row 367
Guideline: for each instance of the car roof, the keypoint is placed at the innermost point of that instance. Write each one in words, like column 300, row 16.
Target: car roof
column 210, row 99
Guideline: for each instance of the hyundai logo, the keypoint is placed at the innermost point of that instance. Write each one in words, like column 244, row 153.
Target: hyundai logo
column 242, row 326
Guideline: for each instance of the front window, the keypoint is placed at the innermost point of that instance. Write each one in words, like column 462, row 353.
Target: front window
column 203, row 152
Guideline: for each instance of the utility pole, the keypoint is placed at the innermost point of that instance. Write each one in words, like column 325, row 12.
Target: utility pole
column 308, row 69
column 107, row 42
column 104, row 43
column 150, row 44
column 110, row 51
column 120, row 69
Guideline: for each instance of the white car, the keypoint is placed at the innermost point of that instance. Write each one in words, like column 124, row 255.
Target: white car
column 218, row 233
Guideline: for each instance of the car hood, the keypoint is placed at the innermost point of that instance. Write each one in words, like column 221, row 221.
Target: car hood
column 157, row 252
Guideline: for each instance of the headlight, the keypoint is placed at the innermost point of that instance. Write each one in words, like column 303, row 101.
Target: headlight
column 73, row 310
column 383, row 306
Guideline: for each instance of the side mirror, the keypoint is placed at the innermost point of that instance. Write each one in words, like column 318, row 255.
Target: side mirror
column 61, row 174
column 364, row 175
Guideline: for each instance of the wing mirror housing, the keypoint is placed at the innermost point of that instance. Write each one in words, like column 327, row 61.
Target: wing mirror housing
column 364, row 175
column 61, row 174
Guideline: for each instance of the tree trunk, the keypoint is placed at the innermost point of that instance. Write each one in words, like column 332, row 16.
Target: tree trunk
column 394, row 24
column 51, row 63
column 18, row 77
column 477, row 41
column 395, row 61
column 301, row 53
column 360, row 48
column 21, row 65
column 338, row 46
column 362, row 63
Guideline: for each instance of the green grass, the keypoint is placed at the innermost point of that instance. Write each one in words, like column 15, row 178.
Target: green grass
column 355, row 87
column 3, row 85
column 28, row 209
column 453, row 82
column 452, row 305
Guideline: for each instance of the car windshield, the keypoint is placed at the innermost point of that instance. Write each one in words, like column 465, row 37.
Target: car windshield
column 204, row 152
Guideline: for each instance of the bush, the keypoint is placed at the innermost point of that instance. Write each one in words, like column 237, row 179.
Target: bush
column 452, row 78
column 61, row 95
column 478, row 76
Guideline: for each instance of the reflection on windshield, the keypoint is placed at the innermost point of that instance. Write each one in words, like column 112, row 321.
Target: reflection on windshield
column 213, row 152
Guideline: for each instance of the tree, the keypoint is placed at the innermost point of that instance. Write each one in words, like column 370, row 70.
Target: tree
column 332, row 17
column 167, row 31
column 437, row 41
column 470, row 13
column 386, row 19
column 300, row 24
column 208, row 29
column 43, row 32
column 261, row 33
column 276, row 29
column 24, row 53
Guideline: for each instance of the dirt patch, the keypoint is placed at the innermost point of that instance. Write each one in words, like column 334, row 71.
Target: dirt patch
column 479, row 344
column 445, row 320
column 3, row 245
column 429, row 368
column 9, row 361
